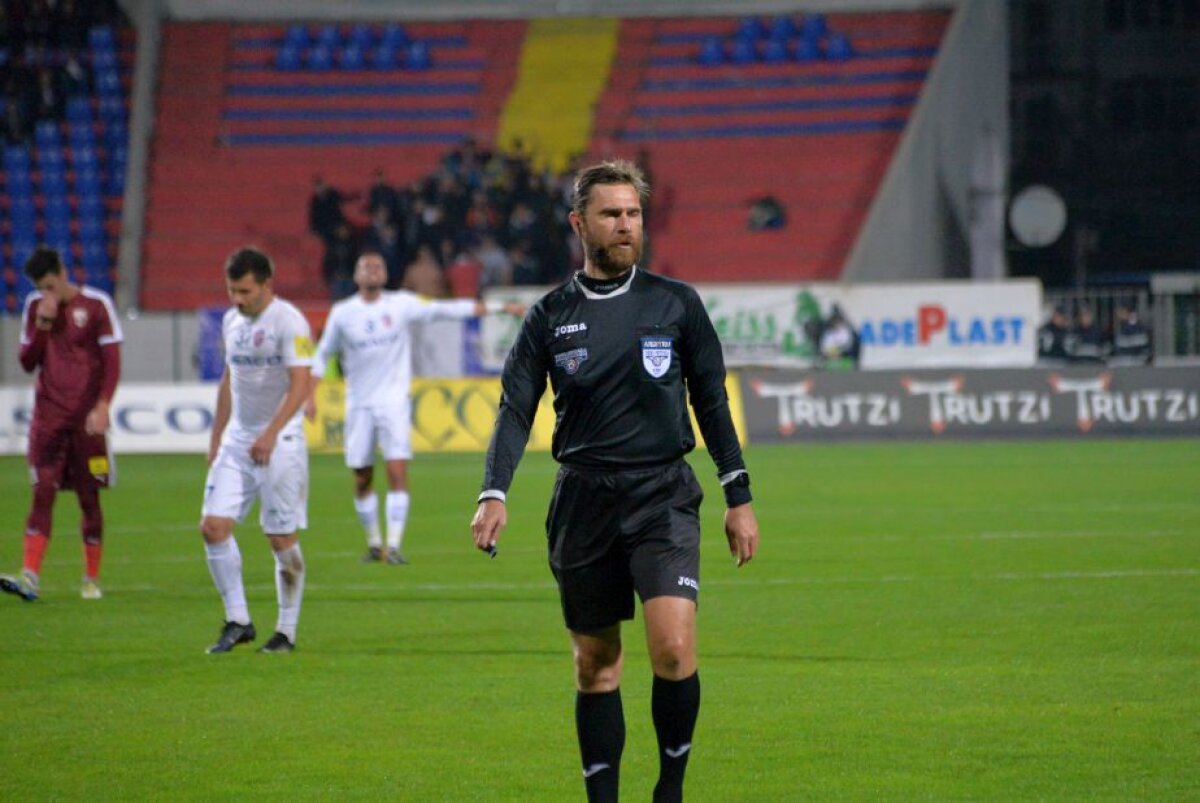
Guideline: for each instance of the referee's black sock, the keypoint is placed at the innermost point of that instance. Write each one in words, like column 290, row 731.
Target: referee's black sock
column 674, row 704
column 600, row 724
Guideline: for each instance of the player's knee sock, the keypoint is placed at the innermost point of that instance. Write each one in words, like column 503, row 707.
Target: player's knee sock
column 35, row 550
column 674, row 705
column 397, row 516
column 93, row 531
column 600, row 725
column 289, row 588
column 37, row 526
column 225, row 566
column 367, row 508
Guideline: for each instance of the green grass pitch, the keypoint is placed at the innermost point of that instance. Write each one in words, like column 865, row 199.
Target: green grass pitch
column 1003, row 621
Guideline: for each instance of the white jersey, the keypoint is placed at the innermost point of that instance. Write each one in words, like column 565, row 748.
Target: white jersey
column 258, row 355
column 373, row 341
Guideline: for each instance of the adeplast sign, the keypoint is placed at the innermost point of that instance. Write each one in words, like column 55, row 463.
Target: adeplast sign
column 959, row 324
column 947, row 324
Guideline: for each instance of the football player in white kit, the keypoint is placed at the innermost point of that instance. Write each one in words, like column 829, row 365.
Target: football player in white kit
column 369, row 332
column 257, row 449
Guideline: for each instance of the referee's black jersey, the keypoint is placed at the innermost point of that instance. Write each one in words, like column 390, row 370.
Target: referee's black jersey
column 620, row 364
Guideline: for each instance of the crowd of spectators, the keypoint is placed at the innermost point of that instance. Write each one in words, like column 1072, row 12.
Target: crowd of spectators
column 43, row 59
column 1079, row 338
column 481, row 218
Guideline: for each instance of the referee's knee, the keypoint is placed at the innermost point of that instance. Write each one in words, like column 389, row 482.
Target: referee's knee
column 597, row 670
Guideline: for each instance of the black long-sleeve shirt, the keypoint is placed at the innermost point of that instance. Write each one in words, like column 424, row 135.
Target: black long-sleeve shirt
column 622, row 357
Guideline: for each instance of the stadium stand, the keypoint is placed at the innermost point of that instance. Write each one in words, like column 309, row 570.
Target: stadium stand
column 248, row 114
column 805, row 109
column 65, row 149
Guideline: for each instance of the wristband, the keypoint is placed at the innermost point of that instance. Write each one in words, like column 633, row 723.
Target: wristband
column 493, row 305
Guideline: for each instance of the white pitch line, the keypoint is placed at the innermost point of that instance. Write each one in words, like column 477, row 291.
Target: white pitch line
column 548, row 586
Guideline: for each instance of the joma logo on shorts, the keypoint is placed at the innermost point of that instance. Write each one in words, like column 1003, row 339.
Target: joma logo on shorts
column 689, row 582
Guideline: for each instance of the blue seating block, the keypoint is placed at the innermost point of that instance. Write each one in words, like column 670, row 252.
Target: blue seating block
column 296, row 35
column 712, row 51
column 807, row 50
column 775, row 51
column 319, row 58
column 417, row 57
column 750, row 28
column 289, row 57
column 352, row 57
column 394, row 34
column 385, row 57
column 783, row 28
column 838, row 47
column 743, row 51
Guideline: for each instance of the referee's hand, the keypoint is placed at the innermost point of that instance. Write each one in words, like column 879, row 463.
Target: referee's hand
column 741, row 528
column 490, row 517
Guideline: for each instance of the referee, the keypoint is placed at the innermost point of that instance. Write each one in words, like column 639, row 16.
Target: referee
column 622, row 348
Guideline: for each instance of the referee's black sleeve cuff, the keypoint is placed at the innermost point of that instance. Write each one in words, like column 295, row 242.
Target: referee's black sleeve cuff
column 737, row 495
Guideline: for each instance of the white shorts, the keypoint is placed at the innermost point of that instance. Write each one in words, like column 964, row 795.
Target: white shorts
column 234, row 482
column 388, row 427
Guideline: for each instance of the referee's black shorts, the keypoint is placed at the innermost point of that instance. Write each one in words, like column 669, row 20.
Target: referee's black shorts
column 612, row 533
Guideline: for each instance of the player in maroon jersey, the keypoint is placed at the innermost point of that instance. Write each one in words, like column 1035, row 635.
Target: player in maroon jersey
column 72, row 335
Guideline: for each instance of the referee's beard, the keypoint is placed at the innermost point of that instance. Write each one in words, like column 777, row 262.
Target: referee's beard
column 613, row 260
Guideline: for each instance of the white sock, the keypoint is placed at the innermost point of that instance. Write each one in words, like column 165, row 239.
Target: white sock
column 225, row 566
column 397, row 515
column 367, row 508
column 289, row 589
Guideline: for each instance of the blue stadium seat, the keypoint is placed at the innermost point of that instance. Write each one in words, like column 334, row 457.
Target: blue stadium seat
column 59, row 238
column 807, row 50
column 104, row 60
column 87, row 180
column 329, row 36
column 289, row 57
column 813, row 27
column 296, row 36
column 46, row 134
column 91, row 206
column 783, row 27
column 50, row 157
column 18, row 181
column 84, row 158
column 838, row 47
column 775, row 50
column 750, row 28
column 319, row 57
column 102, row 37
column 352, row 57
column 79, row 109
column 108, row 83
column 116, row 182
column 17, row 156
column 81, row 133
column 53, row 183
column 385, row 57
column 743, row 51
column 112, row 108
column 712, row 51
column 361, row 35
column 57, row 208
column 394, row 34
column 95, row 258
column 116, row 133
column 91, row 230
column 417, row 57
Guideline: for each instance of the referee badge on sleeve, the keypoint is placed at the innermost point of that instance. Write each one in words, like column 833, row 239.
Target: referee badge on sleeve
column 656, row 355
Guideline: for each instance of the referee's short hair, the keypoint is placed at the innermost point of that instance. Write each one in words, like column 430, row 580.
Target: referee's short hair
column 249, row 260
column 617, row 171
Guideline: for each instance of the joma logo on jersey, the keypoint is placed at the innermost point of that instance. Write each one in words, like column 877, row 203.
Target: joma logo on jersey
column 255, row 362
column 569, row 329
column 656, row 355
column 690, row 582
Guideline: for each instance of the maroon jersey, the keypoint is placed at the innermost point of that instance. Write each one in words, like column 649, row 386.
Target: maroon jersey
column 78, row 357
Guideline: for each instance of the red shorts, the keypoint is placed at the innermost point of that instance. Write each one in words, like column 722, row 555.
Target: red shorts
column 66, row 455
